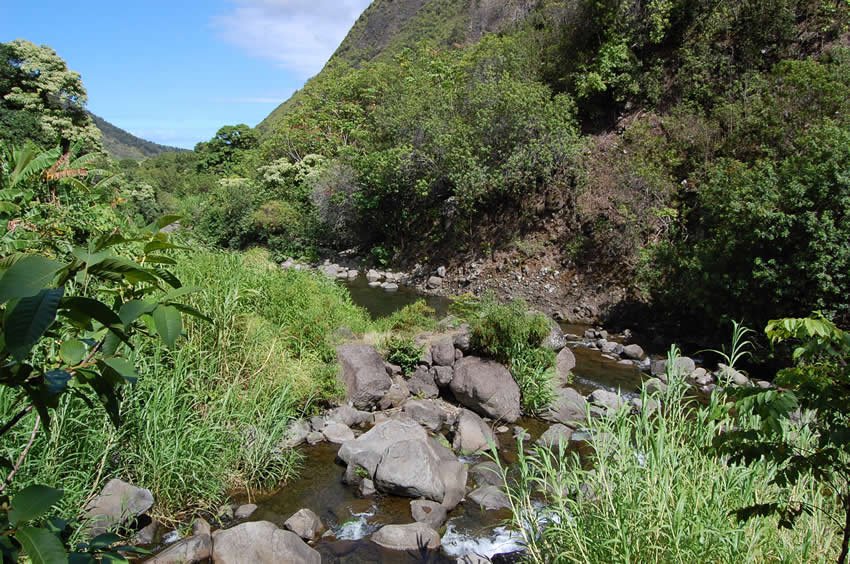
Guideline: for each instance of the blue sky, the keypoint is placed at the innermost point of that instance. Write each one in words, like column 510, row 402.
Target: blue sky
column 175, row 71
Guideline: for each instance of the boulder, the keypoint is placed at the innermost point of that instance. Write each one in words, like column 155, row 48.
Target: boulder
column 390, row 286
column 337, row 433
column 443, row 374
column 410, row 468
column 200, row 526
column 428, row 512
column 431, row 414
column 367, row 449
column 305, row 524
column 434, row 282
column 118, row 503
column 490, row 498
column 412, row 537
column 473, row 434
column 363, row 373
column 463, row 338
column 611, row 402
column 441, row 271
column 374, row 276
column 396, row 395
column 683, row 365
column 486, row 387
column 197, row 548
column 295, row 434
column 555, row 340
column 634, row 352
column 244, row 511
column 349, row 416
column 329, row 270
column 315, row 438
column 655, row 385
column 565, row 363
column 569, row 407
column 443, row 352
column 367, row 488
column 486, row 474
column 556, row 436
column 421, row 383
column 261, row 542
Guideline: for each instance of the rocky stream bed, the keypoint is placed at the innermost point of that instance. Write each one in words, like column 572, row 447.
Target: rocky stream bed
column 402, row 472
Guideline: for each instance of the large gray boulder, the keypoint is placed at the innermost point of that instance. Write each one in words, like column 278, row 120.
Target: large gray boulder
column 295, row 434
column 261, row 542
column 431, row 414
column 349, row 416
column 306, row 524
column 396, row 395
column 486, row 387
column 442, row 375
column 197, row 548
column 443, row 352
column 411, row 537
column 565, row 363
column 400, row 457
column 337, row 433
column 117, row 503
column 364, row 375
column 473, row 434
column 634, row 352
column 683, row 366
column 569, row 407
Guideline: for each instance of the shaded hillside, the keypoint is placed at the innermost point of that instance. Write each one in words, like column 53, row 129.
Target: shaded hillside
column 121, row 144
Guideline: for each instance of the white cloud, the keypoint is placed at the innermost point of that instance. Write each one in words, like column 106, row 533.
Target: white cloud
column 300, row 35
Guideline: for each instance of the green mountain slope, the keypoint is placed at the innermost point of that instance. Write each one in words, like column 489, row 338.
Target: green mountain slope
column 387, row 27
column 122, row 144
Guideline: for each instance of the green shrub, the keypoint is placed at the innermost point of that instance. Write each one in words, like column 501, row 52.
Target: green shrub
column 652, row 489
column 500, row 330
column 418, row 316
column 404, row 352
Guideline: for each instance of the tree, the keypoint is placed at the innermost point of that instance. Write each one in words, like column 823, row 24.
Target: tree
column 41, row 100
column 227, row 149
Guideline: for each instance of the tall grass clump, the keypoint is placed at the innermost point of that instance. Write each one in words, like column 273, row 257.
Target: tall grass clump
column 653, row 490
column 511, row 334
column 207, row 417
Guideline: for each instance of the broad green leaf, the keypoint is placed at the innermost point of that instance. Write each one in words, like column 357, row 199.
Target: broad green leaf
column 189, row 310
column 89, row 258
column 159, row 259
column 9, row 208
column 72, row 352
column 163, row 221
column 172, row 295
column 163, row 245
column 92, row 309
column 104, row 541
column 169, row 324
column 169, row 278
column 33, row 502
column 28, row 277
column 29, row 319
column 123, row 367
column 42, row 546
column 131, row 311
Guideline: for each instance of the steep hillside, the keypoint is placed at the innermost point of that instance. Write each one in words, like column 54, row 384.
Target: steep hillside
column 588, row 155
column 387, row 27
column 121, row 144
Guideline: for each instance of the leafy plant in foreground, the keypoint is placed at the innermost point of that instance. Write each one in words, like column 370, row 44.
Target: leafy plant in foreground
column 67, row 326
column 810, row 401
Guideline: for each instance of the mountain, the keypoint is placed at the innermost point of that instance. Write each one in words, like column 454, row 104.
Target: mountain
column 121, row 144
column 387, row 27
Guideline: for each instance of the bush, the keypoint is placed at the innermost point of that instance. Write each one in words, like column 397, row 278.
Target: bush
column 404, row 352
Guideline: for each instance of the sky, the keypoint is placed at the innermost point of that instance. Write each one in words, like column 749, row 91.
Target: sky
column 175, row 71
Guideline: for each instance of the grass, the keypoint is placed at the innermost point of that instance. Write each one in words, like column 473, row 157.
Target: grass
column 653, row 491
column 207, row 417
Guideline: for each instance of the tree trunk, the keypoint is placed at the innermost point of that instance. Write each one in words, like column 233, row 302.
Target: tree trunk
column 845, row 541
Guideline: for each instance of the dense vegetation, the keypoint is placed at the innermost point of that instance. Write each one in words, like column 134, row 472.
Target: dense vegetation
column 699, row 148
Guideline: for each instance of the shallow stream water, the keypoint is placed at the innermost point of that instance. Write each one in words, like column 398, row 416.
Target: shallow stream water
column 469, row 529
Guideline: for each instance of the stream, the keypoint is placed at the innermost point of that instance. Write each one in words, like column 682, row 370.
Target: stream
column 351, row 519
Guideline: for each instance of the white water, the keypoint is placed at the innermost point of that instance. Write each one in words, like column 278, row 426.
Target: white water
column 357, row 527
column 500, row 540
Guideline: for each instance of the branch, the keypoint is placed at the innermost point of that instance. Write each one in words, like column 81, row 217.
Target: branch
column 22, row 456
